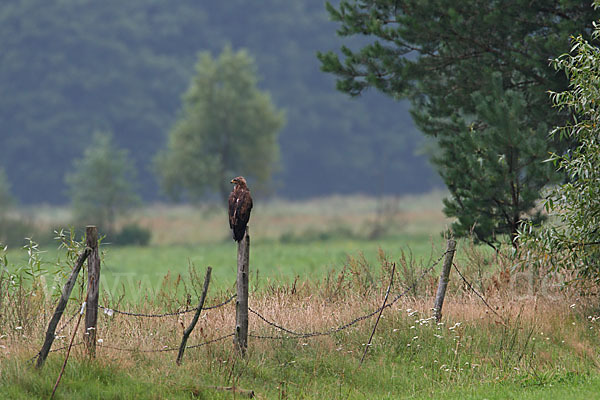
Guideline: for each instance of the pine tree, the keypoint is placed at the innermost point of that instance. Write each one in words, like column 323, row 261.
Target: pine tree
column 494, row 174
column 477, row 74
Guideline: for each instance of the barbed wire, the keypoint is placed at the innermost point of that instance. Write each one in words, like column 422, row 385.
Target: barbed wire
column 109, row 311
column 304, row 335
column 54, row 350
column 132, row 350
column 470, row 286
column 165, row 348
column 67, row 322
column 211, row 341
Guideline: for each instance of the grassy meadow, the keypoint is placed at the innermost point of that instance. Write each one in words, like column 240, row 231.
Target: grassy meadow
column 315, row 265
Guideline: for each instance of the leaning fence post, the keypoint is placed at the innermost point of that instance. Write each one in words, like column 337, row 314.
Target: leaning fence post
column 443, row 283
column 60, row 308
column 190, row 328
column 91, row 313
column 241, row 308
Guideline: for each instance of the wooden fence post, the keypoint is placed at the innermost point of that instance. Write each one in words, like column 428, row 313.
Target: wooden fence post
column 190, row 328
column 443, row 283
column 91, row 313
column 241, row 308
column 60, row 308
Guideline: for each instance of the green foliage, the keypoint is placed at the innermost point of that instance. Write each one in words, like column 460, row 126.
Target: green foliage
column 101, row 185
column 228, row 127
column 476, row 73
column 574, row 235
column 20, row 284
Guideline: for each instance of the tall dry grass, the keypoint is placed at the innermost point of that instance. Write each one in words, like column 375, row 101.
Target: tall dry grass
column 522, row 308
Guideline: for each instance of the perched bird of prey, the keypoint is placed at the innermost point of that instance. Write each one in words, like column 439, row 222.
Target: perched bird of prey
column 240, row 205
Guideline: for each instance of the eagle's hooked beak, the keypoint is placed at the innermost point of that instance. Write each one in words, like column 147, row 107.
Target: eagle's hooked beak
column 232, row 181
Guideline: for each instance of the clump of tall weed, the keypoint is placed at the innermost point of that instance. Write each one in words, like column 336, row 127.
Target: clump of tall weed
column 21, row 292
column 24, row 288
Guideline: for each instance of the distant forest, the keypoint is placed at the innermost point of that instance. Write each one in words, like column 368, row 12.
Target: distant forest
column 72, row 67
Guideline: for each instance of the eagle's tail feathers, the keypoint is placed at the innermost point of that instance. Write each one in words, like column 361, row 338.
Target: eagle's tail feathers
column 238, row 233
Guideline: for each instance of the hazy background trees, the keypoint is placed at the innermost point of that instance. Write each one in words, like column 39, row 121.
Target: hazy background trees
column 475, row 72
column 73, row 67
column 228, row 127
column 477, row 75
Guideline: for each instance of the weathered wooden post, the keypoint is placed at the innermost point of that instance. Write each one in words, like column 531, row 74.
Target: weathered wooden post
column 443, row 283
column 60, row 308
column 91, row 313
column 241, row 307
column 190, row 328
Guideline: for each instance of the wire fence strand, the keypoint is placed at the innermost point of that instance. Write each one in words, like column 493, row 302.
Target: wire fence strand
column 67, row 322
column 304, row 335
column 109, row 311
column 472, row 289
column 293, row 334
column 164, row 348
column 54, row 350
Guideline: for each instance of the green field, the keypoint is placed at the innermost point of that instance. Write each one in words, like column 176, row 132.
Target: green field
column 140, row 270
column 303, row 240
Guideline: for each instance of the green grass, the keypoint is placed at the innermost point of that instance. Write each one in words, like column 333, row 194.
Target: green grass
column 431, row 368
column 84, row 380
column 567, row 386
column 88, row 380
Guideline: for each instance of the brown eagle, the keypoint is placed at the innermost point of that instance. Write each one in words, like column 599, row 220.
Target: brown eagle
column 240, row 205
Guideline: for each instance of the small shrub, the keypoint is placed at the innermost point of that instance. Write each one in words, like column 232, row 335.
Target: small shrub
column 313, row 235
column 132, row 234
column 14, row 231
